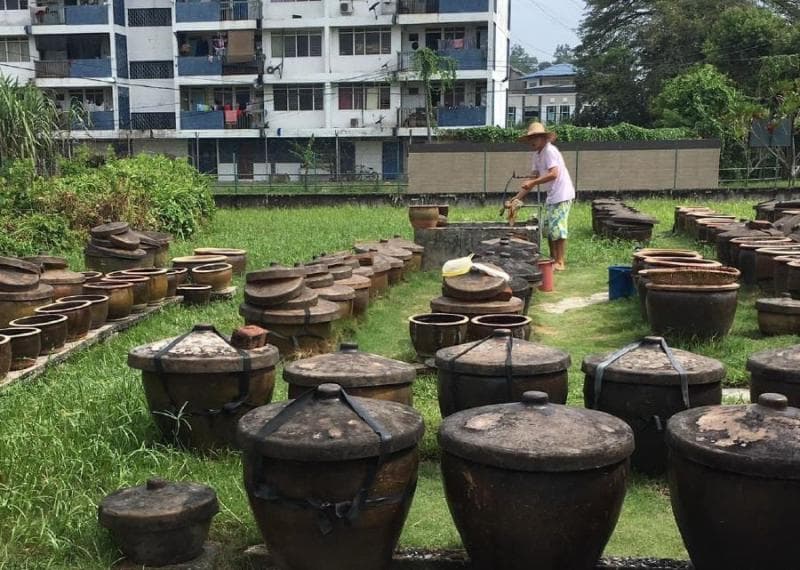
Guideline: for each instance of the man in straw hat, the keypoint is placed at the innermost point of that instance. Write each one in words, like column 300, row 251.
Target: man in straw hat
column 549, row 171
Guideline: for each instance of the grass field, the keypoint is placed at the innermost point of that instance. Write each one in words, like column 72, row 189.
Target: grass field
column 83, row 429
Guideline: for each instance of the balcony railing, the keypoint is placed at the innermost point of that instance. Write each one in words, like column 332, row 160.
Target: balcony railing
column 93, row 121
column 466, row 59
column 100, row 67
column 152, row 121
column 219, row 120
column 205, row 65
column 59, row 14
column 216, row 11
column 442, row 6
column 443, row 117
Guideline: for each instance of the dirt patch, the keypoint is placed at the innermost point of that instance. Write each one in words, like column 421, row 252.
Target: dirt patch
column 573, row 303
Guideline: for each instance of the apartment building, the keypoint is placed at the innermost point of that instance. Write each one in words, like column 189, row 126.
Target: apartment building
column 548, row 95
column 240, row 86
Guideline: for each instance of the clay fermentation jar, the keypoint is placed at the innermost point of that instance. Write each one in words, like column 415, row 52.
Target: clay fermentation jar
column 778, row 316
column 431, row 332
column 158, row 242
column 423, row 217
column 379, row 266
column 361, row 286
column 5, row 356
column 300, row 332
column 766, row 262
column 191, row 261
column 342, row 295
column 98, row 308
column 513, row 306
column 194, row 295
column 206, row 380
column 236, row 257
column 643, row 388
column 641, row 254
column 158, row 285
column 534, row 484
column 159, row 523
column 78, row 313
column 26, row 345
column 734, row 479
column 141, row 289
column 736, row 245
column 56, row 273
column 120, row 297
column 91, row 276
column 776, row 370
column 702, row 311
column 53, row 330
column 484, row 325
column 218, row 275
column 175, row 277
column 780, row 273
column 498, row 370
column 16, row 304
column 106, row 259
column 361, row 374
column 330, row 478
column 417, row 251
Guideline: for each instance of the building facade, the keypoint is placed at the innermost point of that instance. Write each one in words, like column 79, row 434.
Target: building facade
column 241, row 86
column 548, row 95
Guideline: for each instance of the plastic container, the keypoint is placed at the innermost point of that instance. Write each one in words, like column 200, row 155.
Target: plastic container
column 547, row 266
column 620, row 282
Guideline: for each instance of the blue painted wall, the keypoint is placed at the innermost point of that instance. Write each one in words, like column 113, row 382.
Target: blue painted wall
column 85, row 15
column 466, row 58
column 461, row 6
column 90, row 67
column 461, row 117
column 197, row 12
column 191, row 65
column 195, row 120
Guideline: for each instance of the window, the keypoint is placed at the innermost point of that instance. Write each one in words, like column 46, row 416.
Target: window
column 13, row 4
column 565, row 114
column 551, row 113
column 14, row 49
column 142, row 17
column 366, row 97
column 90, row 100
column 511, row 117
column 298, row 98
column 365, row 41
column 151, row 70
column 480, row 95
column 439, row 38
column 297, row 44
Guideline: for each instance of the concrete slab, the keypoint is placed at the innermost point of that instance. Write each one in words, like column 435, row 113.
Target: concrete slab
column 573, row 303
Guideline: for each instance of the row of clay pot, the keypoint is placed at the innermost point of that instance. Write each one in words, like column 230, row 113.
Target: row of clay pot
column 114, row 246
column 613, row 219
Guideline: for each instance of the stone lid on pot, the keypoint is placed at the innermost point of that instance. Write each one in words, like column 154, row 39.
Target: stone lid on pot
column 356, row 282
column 512, row 242
column 780, row 364
column 97, row 251
column 349, row 368
column 62, row 277
column 129, row 240
column 161, row 238
column 323, row 312
column 474, row 285
column 490, row 357
column 458, row 307
column 783, row 305
column 48, row 262
column 200, row 351
column 273, row 273
column 364, row 271
column 17, row 274
column 648, row 364
column 330, row 258
column 526, row 268
column 535, row 435
column 399, row 241
column 758, row 440
column 112, row 228
column 336, row 293
column 40, row 292
column 313, row 269
column 158, row 505
column 322, row 425
column 340, row 272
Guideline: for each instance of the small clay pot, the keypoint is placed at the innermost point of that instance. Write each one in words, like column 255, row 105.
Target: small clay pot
column 120, row 297
column 26, row 344
column 79, row 317
column 423, row 217
column 5, row 355
column 195, row 294
column 431, row 332
column 52, row 327
column 483, row 326
column 92, row 276
column 158, row 286
column 218, row 275
column 98, row 309
column 236, row 257
column 191, row 261
column 141, row 289
column 175, row 278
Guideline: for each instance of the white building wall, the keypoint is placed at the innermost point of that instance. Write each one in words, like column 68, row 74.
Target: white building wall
column 148, row 44
column 171, row 147
column 14, row 19
column 369, row 155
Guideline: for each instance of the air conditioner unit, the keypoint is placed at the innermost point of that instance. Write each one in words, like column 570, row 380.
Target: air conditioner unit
column 354, row 123
column 346, row 8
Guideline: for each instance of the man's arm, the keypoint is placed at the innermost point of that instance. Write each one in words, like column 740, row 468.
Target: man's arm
column 531, row 183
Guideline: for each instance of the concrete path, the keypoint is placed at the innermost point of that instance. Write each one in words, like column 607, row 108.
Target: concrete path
column 573, row 303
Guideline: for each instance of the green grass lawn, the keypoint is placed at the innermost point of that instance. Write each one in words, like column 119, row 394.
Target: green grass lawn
column 83, row 429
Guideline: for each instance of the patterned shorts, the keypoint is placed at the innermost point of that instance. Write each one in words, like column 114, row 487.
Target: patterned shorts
column 555, row 220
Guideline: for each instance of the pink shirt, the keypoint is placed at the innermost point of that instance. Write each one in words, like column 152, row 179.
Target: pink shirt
column 561, row 189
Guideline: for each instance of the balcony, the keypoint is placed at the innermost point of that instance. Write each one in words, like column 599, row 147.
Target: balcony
column 204, row 66
column 62, row 15
column 152, row 121
column 216, row 11
column 442, row 6
column 73, row 68
column 466, row 59
column 445, row 117
column 220, row 120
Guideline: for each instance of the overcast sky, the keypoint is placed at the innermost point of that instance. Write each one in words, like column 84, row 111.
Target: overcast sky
column 540, row 25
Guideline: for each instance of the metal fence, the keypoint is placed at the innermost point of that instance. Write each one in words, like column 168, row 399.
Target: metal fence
column 242, row 183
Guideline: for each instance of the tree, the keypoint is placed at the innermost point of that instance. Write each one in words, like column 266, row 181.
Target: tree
column 522, row 60
column 429, row 64
column 563, row 54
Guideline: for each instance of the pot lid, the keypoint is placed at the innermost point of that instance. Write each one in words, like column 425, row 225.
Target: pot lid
column 47, row 261
column 393, row 262
column 456, row 307
column 757, row 440
column 512, row 242
column 226, row 251
column 323, row 312
column 16, row 274
column 340, row 272
column 349, row 368
column 270, row 292
column 515, row 267
column 783, row 305
column 128, row 240
column 329, row 259
column 328, row 425
column 158, row 505
column 319, row 281
column 411, row 246
column 97, row 251
column 39, row 293
column 364, row 271
column 490, row 357
column 474, row 286
column 62, row 277
column 305, row 299
column 647, row 363
column 156, row 238
column 394, row 251
column 336, row 293
column 274, row 272
column 112, row 228
column 202, row 350
column 535, row 435
column 313, row 269
column 356, row 282
column 745, row 231
column 781, row 364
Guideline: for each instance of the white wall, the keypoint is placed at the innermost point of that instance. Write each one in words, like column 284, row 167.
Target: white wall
column 15, row 18
column 369, row 154
column 274, row 11
column 145, row 44
column 173, row 147
column 152, row 96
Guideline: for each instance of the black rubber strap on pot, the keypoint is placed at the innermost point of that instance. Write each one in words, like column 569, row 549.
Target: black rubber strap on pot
column 451, row 366
column 244, row 376
column 601, row 369
column 330, row 512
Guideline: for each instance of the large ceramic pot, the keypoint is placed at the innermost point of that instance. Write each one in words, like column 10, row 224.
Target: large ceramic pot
column 645, row 384
column 78, row 313
column 192, row 261
column 159, row 523
column 330, row 478
column 342, row 295
column 515, row 246
column 361, row 286
column 417, row 251
column 640, row 255
column 141, row 289
column 198, row 385
column 470, row 309
column 778, row 316
column 56, row 273
column 236, row 257
column 776, row 370
column 735, row 248
column 175, row 278
column 430, row 332
column 766, row 264
column 218, row 275
column 498, row 370
column 703, row 311
column 534, row 484
column 484, row 325
column 16, row 304
column 780, row 272
column 26, row 345
column 748, row 260
column 98, row 307
column 5, row 356
column 750, row 229
column 195, row 295
column 380, row 267
column 157, row 287
column 361, row 374
column 423, row 217
column 106, row 259
column 120, row 297
column 734, row 479
column 296, row 332
column 53, row 330
column 157, row 248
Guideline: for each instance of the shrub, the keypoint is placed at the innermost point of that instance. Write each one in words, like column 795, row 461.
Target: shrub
column 571, row 133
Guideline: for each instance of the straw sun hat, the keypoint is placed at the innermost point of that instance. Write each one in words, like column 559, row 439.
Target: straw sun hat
column 537, row 129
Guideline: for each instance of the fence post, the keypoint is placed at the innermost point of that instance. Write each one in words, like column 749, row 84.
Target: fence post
column 235, row 174
column 675, row 170
column 485, row 171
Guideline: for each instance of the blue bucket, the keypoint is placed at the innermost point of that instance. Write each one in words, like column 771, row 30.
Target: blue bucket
column 620, row 282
